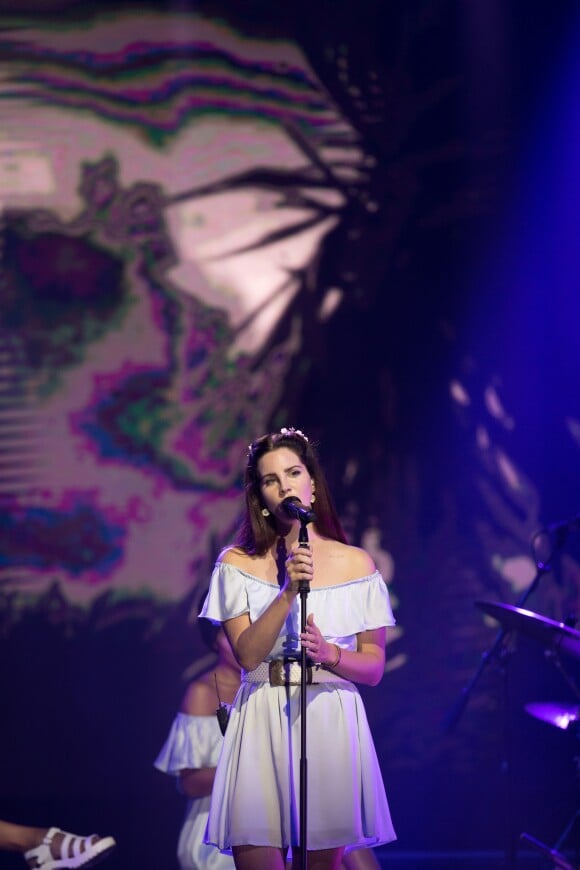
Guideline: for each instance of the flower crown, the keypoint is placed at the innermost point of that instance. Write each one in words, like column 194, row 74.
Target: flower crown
column 293, row 431
column 289, row 432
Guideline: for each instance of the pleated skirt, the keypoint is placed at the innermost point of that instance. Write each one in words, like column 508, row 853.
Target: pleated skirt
column 256, row 793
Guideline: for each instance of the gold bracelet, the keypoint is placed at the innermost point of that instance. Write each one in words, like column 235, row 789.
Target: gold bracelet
column 336, row 663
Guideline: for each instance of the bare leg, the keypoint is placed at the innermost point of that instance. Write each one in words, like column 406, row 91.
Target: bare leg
column 259, row 858
column 322, row 859
column 270, row 858
column 360, row 859
column 20, row 838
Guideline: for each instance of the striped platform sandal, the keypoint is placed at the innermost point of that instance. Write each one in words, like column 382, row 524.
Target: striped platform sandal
column 60, row 850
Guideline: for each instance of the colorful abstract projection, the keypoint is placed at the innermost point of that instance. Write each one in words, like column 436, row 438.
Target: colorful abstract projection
column 163, row 209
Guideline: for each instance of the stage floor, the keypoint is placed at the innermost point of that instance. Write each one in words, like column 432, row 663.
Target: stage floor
column 393, row 860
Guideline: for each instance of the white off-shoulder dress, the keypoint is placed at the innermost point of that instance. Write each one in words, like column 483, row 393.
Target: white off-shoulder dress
column 256, row 793
column 194, row 742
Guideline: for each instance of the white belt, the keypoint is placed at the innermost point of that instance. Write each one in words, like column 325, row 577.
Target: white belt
column 288, row 672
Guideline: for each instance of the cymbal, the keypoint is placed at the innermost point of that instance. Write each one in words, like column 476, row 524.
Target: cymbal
column 551, row 634
column 560, row 715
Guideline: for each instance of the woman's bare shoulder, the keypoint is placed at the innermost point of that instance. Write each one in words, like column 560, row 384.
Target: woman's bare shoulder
column 200, row 697
column 344, row 562
column 233, row 556
column 261, row 567
column 357, row 562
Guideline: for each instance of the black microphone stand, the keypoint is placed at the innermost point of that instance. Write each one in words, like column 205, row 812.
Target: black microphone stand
column 303, row 588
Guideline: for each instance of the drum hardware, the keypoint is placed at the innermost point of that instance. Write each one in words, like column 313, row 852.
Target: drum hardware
column 562, row 716
column 556, row 638
column 558, row 860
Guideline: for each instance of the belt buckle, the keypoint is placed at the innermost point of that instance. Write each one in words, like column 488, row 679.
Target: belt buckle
column 279, row 672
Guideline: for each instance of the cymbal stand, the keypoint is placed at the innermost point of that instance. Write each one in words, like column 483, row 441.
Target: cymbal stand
column 498, row 650
column 567, row 831
column 558, row 860
column 553, row 852
column 555, row 657
column 495, row 649
column 542, row 567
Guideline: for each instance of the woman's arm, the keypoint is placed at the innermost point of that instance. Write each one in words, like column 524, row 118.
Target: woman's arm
column 366, row 665
column 196, row 783
column 253, row 641
column 199, row 699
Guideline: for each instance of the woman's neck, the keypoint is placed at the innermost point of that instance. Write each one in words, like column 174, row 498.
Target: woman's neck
column 291, row 536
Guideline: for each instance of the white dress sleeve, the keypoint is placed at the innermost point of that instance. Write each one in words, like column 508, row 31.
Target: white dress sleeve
column 193, row 742
column 227, row 595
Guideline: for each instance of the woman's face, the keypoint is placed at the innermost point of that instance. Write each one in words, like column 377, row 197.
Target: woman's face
column 281, row 474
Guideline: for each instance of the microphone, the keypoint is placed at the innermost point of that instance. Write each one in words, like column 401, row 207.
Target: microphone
column 294, row 508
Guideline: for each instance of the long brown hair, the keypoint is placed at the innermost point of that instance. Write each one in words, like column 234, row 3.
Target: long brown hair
column 258, row 533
